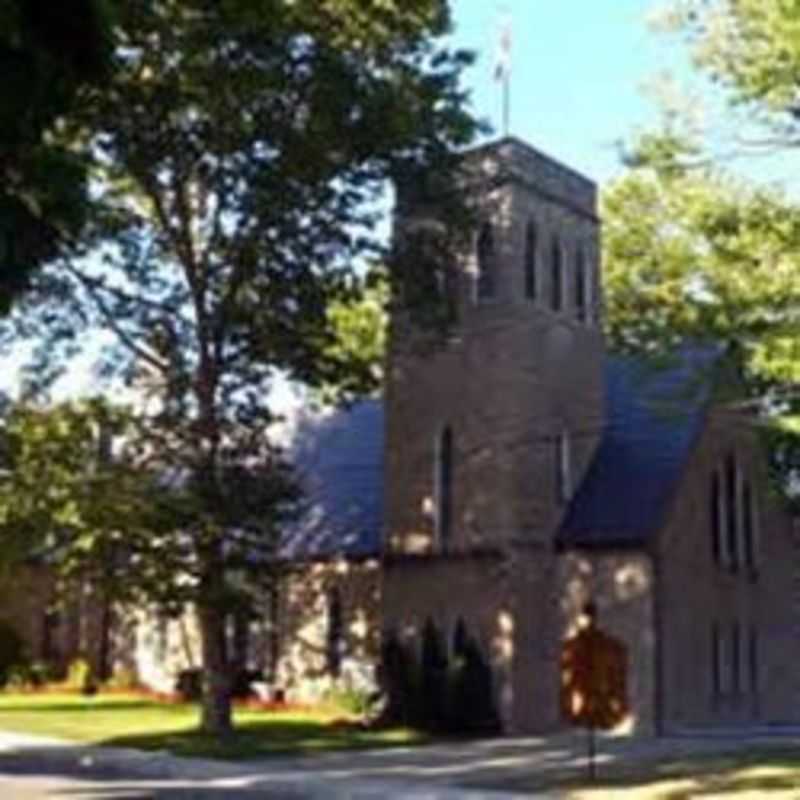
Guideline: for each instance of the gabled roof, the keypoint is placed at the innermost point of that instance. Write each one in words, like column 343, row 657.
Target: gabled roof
column 339, row 459
column 654, row 412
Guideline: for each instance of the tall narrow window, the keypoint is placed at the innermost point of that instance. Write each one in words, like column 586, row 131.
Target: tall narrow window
column 748, row 555
column 444, row 487
column 580, row 285
column 752, row 657
column 732, row 510
column 557, row 276
column 715, row 500
column 736, row 658
column 335, row 643
column 486, row 263
column 530, row 262
column 564, row 466
column 716, row 662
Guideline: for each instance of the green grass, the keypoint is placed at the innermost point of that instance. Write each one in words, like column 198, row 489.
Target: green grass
column 130, row 721
column 773, row 774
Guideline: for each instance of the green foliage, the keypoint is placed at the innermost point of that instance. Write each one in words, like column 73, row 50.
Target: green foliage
column 123, row 678
column 693, row 254
column 751, row 48
column 472, row 708
column 236, row 163
column 434, row 665
column 400, row 682
column 29, row 676
column 352, row 700
column 12, row 650
column 189, row 685
column 49, row 54
column 80, row 676
column 435, row 694
column 359, row 329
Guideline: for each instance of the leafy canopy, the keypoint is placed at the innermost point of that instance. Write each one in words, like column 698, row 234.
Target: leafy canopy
column 236, row 160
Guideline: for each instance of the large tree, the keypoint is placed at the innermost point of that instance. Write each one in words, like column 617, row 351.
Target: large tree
column 693, row 250
column 693, row 253
column 236, row 164
column 50, row 53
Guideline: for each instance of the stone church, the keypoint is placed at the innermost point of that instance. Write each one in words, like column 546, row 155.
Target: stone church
column 519, row 474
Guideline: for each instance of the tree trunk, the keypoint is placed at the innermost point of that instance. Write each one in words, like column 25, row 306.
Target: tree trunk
column 216, row 717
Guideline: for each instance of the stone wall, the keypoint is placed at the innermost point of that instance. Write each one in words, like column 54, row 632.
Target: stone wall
column 303, row 620
column 509, row 378
column 695, row 593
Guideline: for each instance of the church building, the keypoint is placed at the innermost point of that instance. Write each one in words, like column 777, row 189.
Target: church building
column 516, row 475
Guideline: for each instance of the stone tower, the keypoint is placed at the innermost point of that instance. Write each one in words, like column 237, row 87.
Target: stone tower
column 512, row 402
column 488, row 434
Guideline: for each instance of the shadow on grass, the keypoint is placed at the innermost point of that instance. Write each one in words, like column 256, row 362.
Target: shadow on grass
column 749, row 774
column 255, row 739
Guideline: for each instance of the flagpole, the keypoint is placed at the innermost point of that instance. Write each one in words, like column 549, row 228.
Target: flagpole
column 507, row 104
column 502, row 70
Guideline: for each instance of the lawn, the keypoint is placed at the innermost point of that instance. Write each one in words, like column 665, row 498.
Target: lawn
column 772, row 774
column 132, row 721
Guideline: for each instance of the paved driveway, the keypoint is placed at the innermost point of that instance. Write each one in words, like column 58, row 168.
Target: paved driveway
column 35, row 768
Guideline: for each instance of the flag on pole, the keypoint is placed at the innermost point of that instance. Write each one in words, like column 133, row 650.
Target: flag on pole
column 502, row 64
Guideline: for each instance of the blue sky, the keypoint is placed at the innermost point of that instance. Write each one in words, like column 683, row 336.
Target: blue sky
column 579, row 75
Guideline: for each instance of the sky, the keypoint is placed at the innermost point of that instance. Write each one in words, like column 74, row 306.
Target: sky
column 580, row 73
column 582, row 80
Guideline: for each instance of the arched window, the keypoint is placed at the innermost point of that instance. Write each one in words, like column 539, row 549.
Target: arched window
column 444, row 487
column 749, row 527
column 557, row 276
column 530, row 261
column 581, row 286
column 486, row 263
column 715, row 509
column 335, row 643
column 732, row 510
column 564, row 466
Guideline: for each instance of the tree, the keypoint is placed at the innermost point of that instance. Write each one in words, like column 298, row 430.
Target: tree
column 752, row 51
column 236, row 161
column 49, row 53
column 65, row 502
column 692, row 253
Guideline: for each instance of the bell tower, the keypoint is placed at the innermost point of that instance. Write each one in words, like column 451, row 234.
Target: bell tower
column 488, row 434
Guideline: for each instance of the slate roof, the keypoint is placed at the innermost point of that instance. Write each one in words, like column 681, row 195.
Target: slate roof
column 654, row 413
column 339, row 457
column 653, row 416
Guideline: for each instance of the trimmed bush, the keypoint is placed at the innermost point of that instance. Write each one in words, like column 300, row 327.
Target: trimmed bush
column 435, row 693
column 12, row 651
column 189, row 685
column 399, row 681
column 243, row 680
column 80, row 676
column 472, row 707
column 434, row 679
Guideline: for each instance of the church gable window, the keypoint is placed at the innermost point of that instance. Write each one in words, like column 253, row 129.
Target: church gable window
column 581, row 286
column 750, row 527
column 557, row 276
column 486, row 256
column 716, row 516
column 530, row 264
column 564, row 466
column 732, row 510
